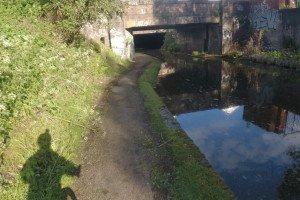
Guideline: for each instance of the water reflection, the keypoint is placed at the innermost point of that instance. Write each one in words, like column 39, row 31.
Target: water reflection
column 244, row 119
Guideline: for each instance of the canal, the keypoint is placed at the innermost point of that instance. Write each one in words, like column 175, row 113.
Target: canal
column 245, row 118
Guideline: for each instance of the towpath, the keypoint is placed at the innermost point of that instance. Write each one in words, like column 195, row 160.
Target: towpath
column 116, row 165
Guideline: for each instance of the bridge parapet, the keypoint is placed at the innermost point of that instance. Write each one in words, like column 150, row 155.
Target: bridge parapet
column 149, row 13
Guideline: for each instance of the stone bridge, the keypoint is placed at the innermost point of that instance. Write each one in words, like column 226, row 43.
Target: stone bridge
column 212, row 26
column 155, row 14
column 196, row 25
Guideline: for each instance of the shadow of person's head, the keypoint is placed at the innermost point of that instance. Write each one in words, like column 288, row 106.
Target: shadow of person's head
column 44, row 140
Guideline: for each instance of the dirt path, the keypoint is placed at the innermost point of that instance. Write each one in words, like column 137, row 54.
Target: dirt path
column 116, row 165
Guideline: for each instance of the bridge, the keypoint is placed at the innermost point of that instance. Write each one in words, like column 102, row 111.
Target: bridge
column 197, row 25
column 213, row 26
column 196, row 22
column 155, row 14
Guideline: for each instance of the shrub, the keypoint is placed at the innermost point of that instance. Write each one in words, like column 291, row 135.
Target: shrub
column 170, row 43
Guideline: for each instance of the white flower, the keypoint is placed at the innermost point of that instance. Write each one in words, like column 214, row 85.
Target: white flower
column 26, row 37
column 6, row 43
column 2, row 108
column 52, row 67
column 12, row 96
column 78, row 64
column 6, row 60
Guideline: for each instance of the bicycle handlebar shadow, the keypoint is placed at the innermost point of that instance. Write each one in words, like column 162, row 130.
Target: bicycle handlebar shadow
column 43, row 172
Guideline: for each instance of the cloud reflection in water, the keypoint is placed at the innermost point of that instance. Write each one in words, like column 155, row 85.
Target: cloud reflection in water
column 241, row 152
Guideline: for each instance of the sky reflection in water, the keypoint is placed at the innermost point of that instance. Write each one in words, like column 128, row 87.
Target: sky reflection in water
column 241, row 119
column 239, row 151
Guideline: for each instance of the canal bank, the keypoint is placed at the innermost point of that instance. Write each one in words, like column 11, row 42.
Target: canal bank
column 273, row 58
column 187, row 174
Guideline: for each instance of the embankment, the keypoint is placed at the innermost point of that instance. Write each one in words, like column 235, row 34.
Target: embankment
column 190, row 177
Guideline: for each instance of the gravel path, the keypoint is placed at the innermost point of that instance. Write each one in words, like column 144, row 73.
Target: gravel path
column 116, row 165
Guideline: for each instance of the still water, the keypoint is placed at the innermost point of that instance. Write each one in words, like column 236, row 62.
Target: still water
column 245, row 118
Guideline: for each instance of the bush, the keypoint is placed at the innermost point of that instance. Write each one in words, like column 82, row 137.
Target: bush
column 170, row 43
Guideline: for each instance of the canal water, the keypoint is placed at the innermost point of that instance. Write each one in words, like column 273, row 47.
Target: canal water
column 244, row 117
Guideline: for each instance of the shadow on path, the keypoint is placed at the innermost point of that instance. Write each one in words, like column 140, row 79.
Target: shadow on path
column 43, row 172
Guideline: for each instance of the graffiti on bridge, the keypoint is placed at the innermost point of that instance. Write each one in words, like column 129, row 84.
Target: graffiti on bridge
column 264, row 17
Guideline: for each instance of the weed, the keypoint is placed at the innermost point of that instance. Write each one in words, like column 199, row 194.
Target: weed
column 148, row 142
column 160, row 179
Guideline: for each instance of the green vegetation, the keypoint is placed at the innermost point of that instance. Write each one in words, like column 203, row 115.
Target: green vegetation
column 46, row 87
column 190, row 180
column 67, row 15
column 217, row 13
column 201, row 54
column 170, row 43
column 160, row 179
column 196, row 53
column 254, row 48
column 294, row 56
column 253, row 52
column 273, row 54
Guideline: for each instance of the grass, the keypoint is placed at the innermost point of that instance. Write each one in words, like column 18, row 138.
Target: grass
column 273, row 54
column 295, row 56
column 190, row 180
column 46, row 88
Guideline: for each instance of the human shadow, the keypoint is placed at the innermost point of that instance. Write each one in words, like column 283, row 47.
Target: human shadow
column 43, row 172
